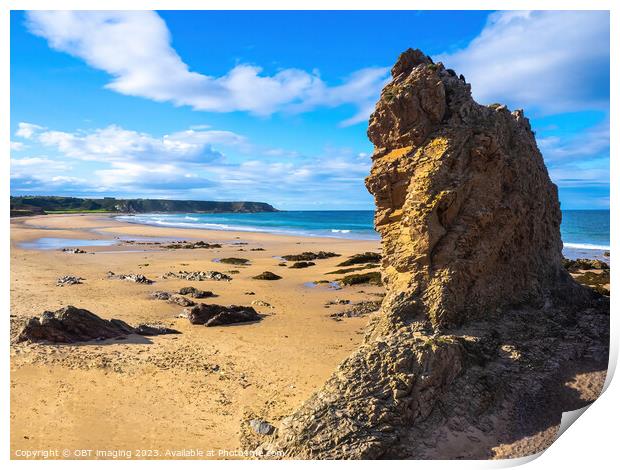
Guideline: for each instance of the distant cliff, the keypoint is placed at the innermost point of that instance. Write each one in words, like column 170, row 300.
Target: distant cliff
column 31, row 205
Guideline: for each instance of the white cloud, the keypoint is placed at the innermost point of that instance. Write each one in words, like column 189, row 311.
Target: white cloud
column 550, row 61
column 17, row 146
column 585, row 146
column 113, row 143
column 134, row 47
column 26, row 129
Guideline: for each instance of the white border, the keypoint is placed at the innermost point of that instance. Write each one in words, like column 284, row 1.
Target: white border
column 591, row 443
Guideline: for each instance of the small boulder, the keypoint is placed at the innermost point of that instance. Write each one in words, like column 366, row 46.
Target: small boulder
column 262, row 427
column 160, row 295
column 214, row 315
column 196, row 293
column 267, row 276
column 301, row 264
column 68, row 281
column 154, row 330
column 71, row 324
column 180, row 300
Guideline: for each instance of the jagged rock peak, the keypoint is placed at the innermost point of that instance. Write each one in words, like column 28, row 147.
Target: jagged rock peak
column 468, row 215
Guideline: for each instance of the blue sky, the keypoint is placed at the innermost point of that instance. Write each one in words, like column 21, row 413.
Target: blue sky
column 273, row 106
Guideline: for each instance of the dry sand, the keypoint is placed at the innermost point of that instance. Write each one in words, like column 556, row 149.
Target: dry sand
column 187, row 391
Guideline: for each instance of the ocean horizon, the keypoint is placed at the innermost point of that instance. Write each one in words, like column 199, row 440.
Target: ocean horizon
column 584, row 232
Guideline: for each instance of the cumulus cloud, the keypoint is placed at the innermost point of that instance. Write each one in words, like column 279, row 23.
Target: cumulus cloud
column 184, row 164
column 546, row 61
column 17, row 146
column 134, row 47
column 586, row 145
column 113, row 143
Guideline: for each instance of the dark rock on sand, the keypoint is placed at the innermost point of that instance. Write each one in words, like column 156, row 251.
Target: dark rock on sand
column 362, row 258
column 137, row 278
column 68, row 281
column 301, row 264
column 373, row 277
column 75, row 251
column 196, row 293
column 198, row 276
column 71, row 324
column 267, row 276
column 180, row 300
column 310, row 256
column 582, row 264
column 236, row 261
column 160, row 295
column 192, row 246
column 214, row 315
column 154, row 330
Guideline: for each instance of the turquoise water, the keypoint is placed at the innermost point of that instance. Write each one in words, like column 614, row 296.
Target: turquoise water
column 583, row 232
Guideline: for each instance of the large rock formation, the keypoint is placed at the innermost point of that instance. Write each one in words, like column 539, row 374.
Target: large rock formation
column 71, row 325
column 479, row 312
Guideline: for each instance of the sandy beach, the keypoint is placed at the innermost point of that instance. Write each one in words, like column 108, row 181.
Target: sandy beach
column 171, row 393
column 190, row 395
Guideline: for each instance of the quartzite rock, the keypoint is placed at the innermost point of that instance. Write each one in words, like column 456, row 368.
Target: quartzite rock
column 479, row 311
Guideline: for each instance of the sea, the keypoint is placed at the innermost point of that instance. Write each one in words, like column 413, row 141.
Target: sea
column 585, row 233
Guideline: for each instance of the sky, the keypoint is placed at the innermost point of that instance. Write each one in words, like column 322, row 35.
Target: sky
column 274, row 106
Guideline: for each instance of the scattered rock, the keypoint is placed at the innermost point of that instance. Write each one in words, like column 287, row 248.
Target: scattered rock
column 196, row 293
column 197, row 276
column 262, row 427
column 257, row 249
column 249, row 293
column 137, row 278
column 73, row 250
column 261, row 303
column 214, row 315
column 338, row 302
column 362, row 258
column 281, row 264
column 310, row 256
column 582, row 264
column 183, row 245
column 606, row 254
column 267, row 276
column 68, row 280
column 71, row 324
column 301, row 264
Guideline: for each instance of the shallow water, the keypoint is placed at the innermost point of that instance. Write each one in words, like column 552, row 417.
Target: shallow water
column 53, row 243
